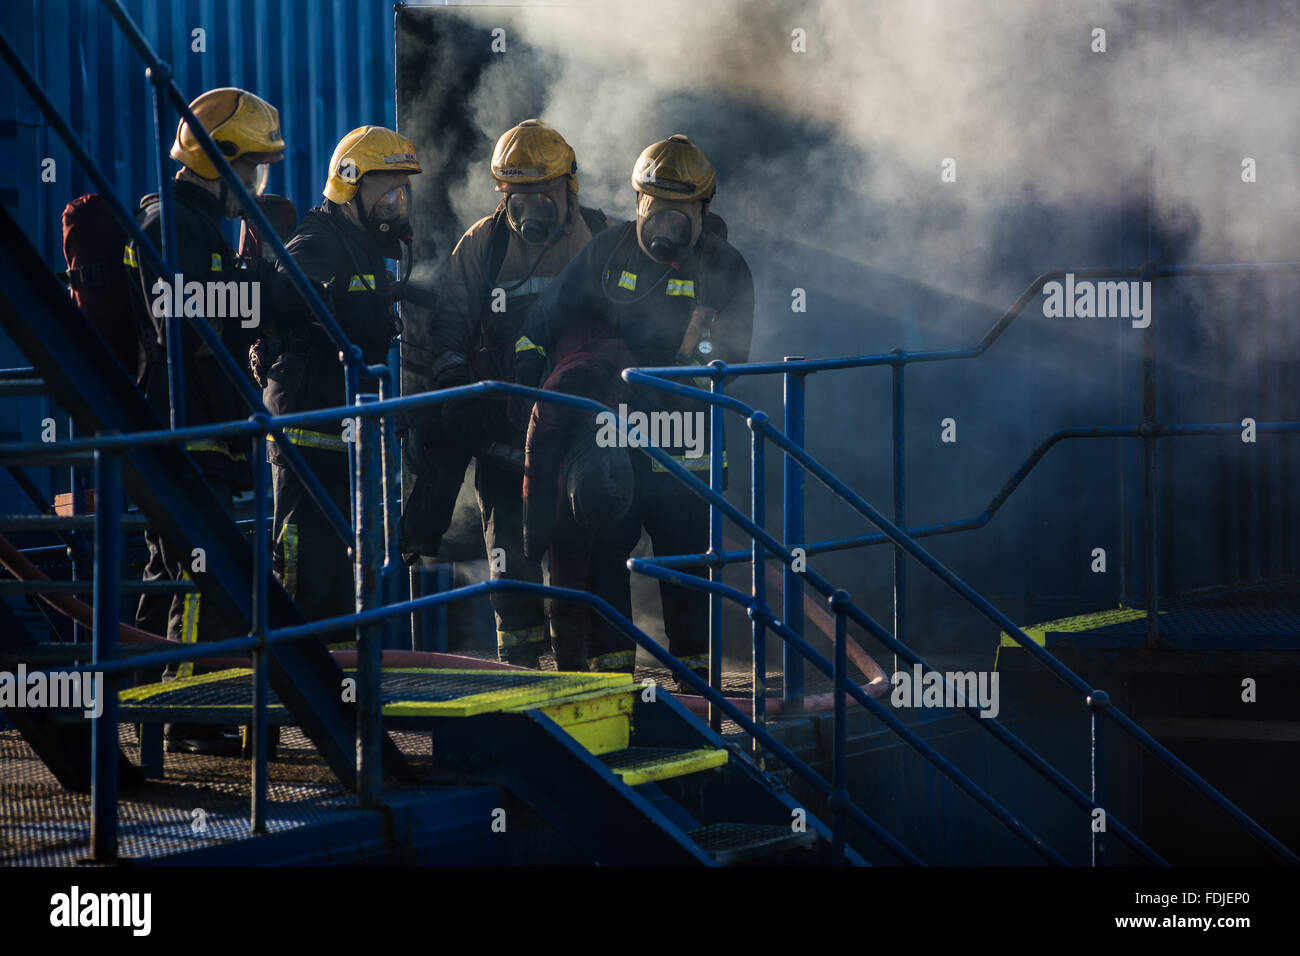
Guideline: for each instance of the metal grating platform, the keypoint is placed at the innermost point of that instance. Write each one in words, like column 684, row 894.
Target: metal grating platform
column 737, row 842
column 226, row 696
column 202, row 802
column 637, row 765
column 1256, row 618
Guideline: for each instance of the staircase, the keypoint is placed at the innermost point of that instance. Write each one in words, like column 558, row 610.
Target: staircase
column 621, row 771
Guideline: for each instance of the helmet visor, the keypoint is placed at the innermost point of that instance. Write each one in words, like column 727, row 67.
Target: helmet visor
column 392, row 206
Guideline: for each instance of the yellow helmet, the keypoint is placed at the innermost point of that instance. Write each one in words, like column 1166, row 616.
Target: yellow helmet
column 367, row 149
column 674, row 168
column 531, row 153
column 240, row 123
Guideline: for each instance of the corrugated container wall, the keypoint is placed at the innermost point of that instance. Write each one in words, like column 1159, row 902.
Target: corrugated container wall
column 327, row 65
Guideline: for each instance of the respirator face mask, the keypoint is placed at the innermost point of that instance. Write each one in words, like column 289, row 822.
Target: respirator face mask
column 389, row 220
column 533, row 216
column 261, row 173
column 666, row 234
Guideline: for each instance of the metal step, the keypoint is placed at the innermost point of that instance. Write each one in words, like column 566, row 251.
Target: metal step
column 600, row 720
column 731, row 843
column 637, row 765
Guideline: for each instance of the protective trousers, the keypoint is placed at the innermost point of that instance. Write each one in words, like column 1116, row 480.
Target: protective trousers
column 182, row 617
column 677, row 523
column 310, row 559
column 520, row 618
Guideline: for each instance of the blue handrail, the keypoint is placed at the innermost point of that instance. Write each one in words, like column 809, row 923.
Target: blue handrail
column 371, row 496
column 262, row 424
column 760, row 424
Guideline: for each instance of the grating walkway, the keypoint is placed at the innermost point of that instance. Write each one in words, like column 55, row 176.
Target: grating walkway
column 227, row 696
column 202, row 802
column 1260, row 617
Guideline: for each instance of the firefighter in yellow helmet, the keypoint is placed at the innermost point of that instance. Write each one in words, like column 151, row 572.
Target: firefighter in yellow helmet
column 247, row 131
column 672, row 288
column 497, row 269
column 342, row 245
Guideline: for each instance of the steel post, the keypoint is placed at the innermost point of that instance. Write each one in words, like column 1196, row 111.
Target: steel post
column 261, row 624
column 716, row 430
column 758, row 511
column 900, row 513
column 793, row 534
column 839, row 801
column 174, row 325
column 104, row 754
column 367, row 560
column 1097, row 701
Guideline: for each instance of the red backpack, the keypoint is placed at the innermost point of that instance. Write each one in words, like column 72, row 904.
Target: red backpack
column 93, row 245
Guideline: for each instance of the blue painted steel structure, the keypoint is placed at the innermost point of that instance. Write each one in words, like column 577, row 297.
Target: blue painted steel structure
column 375, row 547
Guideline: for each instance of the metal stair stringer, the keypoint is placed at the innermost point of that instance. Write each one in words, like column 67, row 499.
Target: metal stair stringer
column 537, row 760
column 742, row 793
column 80, row 374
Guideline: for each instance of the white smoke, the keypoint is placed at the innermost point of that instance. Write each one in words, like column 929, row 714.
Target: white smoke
column 1013, row 92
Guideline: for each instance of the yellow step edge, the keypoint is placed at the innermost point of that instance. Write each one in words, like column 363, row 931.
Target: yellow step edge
column 599, row 720
column 1083, row 622
column 513, row 698
column 145, row 691
column 602, row 736
column 678, row 765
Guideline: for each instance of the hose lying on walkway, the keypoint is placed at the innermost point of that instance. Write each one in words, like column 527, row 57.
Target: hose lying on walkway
column 82, row 613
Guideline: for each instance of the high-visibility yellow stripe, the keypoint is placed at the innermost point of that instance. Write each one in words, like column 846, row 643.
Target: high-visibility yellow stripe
column 291, row 559
column 312, row 439
column 1082, row 622
column 219, row 448
column 216, row 262
column 673, row 765
column 360, row 283
column 128, row 257
column 695, row 661
column 189, row 627
column 549, row 689
column 525, row 344
column 517, row 638
column 614, row 661
column 144, row 692
column 600, row 720
column 533, row 285
column 690, row 464
column 684, row 287
column 627, row 281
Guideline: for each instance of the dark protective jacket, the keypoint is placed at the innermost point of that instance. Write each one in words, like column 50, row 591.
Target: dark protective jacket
column 613, row 288
column 591, row 369
column 203, row 255
column 491, row 256
column 308, row 374
column 470, row 339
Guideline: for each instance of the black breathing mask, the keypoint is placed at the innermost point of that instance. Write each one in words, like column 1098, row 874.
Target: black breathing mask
column 388, row 221
column 666, row 235
column 534, row 217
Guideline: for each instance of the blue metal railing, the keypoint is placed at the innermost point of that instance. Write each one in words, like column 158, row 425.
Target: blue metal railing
column 763, row 544
column 372, row 495
column 166, row 89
